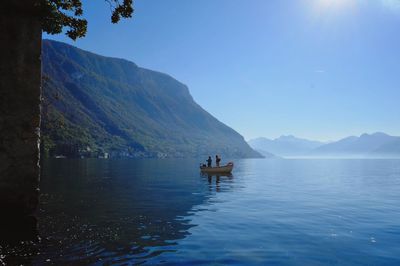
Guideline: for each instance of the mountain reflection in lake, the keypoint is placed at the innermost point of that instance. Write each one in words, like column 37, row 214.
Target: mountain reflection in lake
column 119, row 210
column 115, row 210
column 296, row 212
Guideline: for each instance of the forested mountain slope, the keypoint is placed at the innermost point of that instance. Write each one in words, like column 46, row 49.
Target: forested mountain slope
column 95, row 105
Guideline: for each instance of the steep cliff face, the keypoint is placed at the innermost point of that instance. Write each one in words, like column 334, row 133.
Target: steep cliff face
column 96, row 104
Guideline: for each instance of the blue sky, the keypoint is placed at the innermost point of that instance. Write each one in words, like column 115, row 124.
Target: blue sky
column 319, row 69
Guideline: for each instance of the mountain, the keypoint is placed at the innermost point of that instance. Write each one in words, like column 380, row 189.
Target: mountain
column 267, row 155
column 285, row 145
column 388, row 149
column 366, row 145
column 95, row 105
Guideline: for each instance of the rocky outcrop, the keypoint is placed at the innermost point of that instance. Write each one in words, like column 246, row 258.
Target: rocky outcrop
column 20, row 72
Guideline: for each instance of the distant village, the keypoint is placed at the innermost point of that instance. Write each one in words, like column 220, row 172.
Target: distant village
column 73, row 151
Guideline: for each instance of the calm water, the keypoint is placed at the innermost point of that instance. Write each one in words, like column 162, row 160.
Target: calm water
column 292, row 212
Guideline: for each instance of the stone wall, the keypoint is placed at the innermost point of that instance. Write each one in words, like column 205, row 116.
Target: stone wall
column 20, row 79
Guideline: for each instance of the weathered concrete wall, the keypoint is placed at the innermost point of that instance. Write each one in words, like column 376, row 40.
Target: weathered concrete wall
column 20, row 79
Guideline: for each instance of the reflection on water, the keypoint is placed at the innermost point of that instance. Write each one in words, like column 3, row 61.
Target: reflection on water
column 214, row 180
column 298, row 212
column 135, row 209
column 115, row 210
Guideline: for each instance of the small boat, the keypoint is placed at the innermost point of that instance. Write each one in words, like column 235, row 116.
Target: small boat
column 221, row 169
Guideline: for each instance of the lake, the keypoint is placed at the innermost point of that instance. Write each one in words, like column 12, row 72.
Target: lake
column 283, row 211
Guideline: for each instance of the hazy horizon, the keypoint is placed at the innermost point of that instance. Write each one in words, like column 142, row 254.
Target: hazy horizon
column 315, row 69
column 321, row 140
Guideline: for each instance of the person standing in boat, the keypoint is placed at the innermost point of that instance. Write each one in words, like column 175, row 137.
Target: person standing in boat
column 209, row 161
column 217, row 160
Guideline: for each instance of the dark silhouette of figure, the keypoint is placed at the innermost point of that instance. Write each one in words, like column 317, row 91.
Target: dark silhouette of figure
column 217, row 160
column 209, row 161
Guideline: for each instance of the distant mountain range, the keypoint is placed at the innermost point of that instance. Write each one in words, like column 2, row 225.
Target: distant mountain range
column 285, row 145
column 100, row 106
column 267, row 155
column 367, row 145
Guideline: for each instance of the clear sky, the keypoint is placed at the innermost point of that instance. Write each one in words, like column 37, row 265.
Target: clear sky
column 319, row 69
